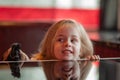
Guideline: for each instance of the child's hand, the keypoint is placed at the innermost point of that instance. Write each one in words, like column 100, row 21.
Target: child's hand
column 93, row 58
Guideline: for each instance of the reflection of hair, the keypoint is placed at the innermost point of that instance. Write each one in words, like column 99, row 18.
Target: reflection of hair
column 85, row 68
column 46, row 47
column 48, row 68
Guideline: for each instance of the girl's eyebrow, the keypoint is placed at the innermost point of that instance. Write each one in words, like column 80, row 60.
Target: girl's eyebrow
column 74, row 36
column 60, row 35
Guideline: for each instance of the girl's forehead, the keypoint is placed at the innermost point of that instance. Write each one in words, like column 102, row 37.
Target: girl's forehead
column 67, row 30
column 68, row 27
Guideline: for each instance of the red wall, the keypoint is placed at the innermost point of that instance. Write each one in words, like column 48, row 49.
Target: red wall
column 89, row 18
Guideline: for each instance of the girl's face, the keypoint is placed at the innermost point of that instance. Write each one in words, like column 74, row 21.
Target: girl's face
column 67, row 43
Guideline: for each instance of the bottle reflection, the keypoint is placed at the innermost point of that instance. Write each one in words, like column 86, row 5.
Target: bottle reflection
column 66, row 70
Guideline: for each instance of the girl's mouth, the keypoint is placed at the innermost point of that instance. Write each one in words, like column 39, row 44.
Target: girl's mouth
column 67, row 51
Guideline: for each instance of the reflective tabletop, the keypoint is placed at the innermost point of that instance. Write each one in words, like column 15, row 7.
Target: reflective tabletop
column 61, row 70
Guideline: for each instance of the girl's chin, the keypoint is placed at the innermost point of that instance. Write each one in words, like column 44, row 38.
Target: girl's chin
column 67, row 58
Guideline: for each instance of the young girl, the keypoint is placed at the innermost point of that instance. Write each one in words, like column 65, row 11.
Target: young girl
column 66, row 40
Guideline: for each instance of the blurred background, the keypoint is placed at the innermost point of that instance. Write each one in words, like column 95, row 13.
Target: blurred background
column 26, row 21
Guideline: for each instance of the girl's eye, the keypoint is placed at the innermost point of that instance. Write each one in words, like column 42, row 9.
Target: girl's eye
column 60, row 40
column 74, row 40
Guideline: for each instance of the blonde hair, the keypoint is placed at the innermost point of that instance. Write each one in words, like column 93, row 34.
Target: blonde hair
column 46, row 46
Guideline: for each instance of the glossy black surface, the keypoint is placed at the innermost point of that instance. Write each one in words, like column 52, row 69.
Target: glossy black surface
column 64, row 70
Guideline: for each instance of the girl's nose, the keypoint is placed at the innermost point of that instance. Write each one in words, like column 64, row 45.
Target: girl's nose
column 67, row 43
